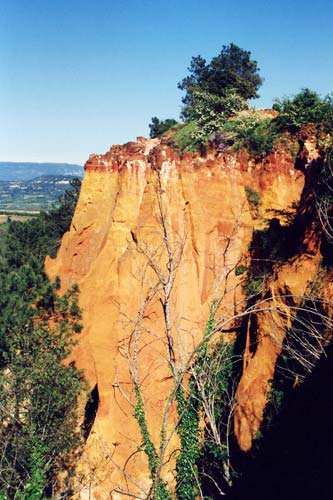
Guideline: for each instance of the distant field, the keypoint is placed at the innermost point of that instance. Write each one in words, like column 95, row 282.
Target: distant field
column 6, row 215
column 33, row 195
column 30, row 187
column 4, row 218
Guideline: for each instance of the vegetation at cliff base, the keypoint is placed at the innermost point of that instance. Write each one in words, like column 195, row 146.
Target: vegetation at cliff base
column 38, row 390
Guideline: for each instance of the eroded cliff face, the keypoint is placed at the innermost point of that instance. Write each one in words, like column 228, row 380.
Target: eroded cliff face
column 155, row 239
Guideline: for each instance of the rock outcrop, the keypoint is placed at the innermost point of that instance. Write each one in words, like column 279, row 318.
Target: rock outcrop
column 156, row 237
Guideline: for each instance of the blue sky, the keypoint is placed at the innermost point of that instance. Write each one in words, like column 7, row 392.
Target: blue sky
column 77, row 76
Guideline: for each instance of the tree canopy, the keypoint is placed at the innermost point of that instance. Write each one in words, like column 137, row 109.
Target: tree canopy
column 305, row 107
column 232, row 71
column 158, row 127
column 39, row 434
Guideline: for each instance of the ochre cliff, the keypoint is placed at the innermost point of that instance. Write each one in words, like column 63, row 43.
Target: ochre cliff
column 148, row 217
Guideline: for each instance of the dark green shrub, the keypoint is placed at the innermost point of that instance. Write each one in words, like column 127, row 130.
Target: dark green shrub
column 305, row 107
column 254, row 285
column 159, row 127
column 253, row 197
column 240, row 270
column 251, row 131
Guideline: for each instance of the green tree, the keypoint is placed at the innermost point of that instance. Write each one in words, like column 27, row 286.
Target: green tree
column 232, row 70
column 39, row 393
column 305, row 107
column 41, row 235
column 159, row 127
column 38, row 390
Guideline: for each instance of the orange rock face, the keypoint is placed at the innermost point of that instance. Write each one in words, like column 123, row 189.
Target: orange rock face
column 154, row 240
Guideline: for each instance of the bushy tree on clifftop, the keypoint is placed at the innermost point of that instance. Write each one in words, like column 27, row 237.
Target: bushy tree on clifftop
column 231, row 72
column 215, row 91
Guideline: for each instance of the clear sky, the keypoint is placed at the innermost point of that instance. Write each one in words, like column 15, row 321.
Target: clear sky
column 77, row 76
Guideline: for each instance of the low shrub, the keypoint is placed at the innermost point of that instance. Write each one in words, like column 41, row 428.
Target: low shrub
column 159, row 127
column 254, row 285
column 240, row 270
column 305, row 107
column 253, row 197
column 252, row 131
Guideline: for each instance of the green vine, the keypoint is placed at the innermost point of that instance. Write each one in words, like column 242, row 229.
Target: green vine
column 188, row 427
column 219, row 363
column 140, row 416
column 188, row 431
column 160, row 491
column 189, row 407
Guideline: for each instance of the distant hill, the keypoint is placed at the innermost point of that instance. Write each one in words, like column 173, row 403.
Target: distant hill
column 41, row 193
column 17, row 171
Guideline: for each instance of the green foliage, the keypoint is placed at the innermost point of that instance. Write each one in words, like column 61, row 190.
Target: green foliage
column 160, row 492
column 276, row 399
column 254, row 285
column 210, row 112
column 253, row 197
column 218, row 90
column 188, row 431
column 41, row 235
column 188, row 427
column 38, row 391
column 211, row 381
column 38, row 401
column 251, row 131
column 159, row 127
column 185, row 137
column 305, row 107
column 148, row 446
column 275, row 396
column 219, row 363
column 232, row 70
column 240, row 270
column 34, row 487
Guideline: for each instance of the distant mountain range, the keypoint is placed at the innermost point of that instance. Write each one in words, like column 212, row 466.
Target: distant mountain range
column 17, row 171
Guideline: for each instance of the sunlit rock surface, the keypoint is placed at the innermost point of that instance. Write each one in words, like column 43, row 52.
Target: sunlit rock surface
column 137, row 201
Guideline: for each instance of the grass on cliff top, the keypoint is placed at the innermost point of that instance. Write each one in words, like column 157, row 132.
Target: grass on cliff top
column 183, row 137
